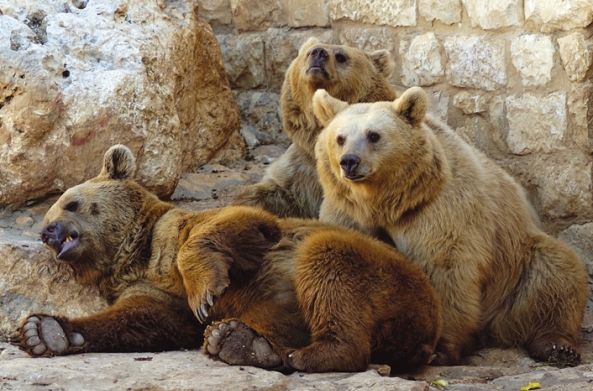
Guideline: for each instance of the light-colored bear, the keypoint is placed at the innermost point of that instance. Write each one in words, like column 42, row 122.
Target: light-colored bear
column 462, row 219
column 290, row 187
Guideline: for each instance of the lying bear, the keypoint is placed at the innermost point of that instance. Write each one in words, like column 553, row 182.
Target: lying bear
column 290, row 187
column 278, row 294
column 450, row 210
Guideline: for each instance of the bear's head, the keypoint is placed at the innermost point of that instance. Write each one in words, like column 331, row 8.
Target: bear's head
column 88, row 224
column 359, row 140
column 345, row 72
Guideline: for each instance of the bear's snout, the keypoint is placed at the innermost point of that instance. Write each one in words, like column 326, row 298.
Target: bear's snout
column 349, row 164
column 319, row 55
column 51, row 233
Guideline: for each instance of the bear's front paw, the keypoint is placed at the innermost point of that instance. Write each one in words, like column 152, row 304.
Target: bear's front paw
column 43, row 336
column 200, row 305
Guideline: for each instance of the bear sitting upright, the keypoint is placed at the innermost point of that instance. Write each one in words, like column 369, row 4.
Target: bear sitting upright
column 449, row 209
column 290, row 187
column 282, row 294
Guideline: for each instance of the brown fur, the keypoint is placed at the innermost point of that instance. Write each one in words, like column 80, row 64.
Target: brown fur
column 290, row 187
column 502, row 281
column 331, row 298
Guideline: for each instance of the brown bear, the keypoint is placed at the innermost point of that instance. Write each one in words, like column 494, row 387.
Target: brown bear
column 280, row 294
column 290, row 187
column 450, row 210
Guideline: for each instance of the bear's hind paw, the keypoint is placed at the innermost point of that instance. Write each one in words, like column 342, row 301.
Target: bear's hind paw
column 237, row 344
column 43, row 336
column 560, row 354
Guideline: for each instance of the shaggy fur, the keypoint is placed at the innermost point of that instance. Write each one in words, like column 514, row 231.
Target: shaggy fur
column 448, row 208
column 280, row 294
column 290, row 187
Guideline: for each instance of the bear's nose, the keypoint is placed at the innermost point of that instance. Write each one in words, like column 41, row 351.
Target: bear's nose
column 349, row 163
column 319, row 54
column 51, row 232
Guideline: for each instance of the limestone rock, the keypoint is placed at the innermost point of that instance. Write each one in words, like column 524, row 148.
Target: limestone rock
column 282, row 46
column 244, row 62
column 553, row 15
column 216, row 12
column 476, row 62
column 421, row 61
column 177, row 370
column 576, row 53
column 536, row 122
column 104, row 72
column 470, row 104
column 262, row 116
column 33, row 282
column 307, row 13
column 447, row 11
column 206, row 183
column 381, row 12
column 252, row 15
column 494, row 14
column 533, row 57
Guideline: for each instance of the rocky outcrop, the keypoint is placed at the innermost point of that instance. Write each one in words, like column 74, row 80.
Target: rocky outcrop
column 79, row 76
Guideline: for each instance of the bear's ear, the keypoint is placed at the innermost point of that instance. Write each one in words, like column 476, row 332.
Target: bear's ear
column 382, row 61
column 119, row 163
column 412, row 105
column 326, row 106
column 310, row 42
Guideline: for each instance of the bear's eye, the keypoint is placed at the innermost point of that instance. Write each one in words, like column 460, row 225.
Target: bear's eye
column 373, row 137
column 71, row 206
column 340, row 58
column 340, row 140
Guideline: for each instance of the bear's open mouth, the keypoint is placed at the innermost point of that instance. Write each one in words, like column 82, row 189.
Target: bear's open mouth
column 68, row 244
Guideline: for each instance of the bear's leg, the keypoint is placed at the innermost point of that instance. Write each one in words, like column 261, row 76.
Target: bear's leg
column 232, row 243
column 290, row 187
column 131, row 325
column 334, row 297
column 461, row 312
column 547, row 308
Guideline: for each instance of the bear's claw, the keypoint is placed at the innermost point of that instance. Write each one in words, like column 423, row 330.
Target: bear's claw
column 237, row 344
column 43, row 336
column 200, row 307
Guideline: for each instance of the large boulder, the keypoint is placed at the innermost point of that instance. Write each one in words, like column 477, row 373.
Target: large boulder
column 77, row 76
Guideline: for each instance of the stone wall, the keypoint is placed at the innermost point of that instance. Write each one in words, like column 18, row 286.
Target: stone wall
column 512, row 77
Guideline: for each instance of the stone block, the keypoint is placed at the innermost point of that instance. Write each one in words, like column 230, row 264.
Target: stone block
column 421, row 61
column 576, row 53
column 580, row 238
column 470, row 104
column 307, row 13
column 447, row 11
column 494, row 14
column 244, row 60
column 216, row 12
column 553, row 15
column 439, row 105
column 564, row 185
column 262, row 117
column 476, row 62
column 580, row 107
column 537, row 123
column 256, row 15
column 380, row 12
column 533, row 57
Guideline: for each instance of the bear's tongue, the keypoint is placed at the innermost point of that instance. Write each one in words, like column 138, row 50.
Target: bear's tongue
column 67, row 245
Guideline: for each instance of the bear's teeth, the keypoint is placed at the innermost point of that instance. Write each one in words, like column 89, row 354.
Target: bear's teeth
column 68, row 239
